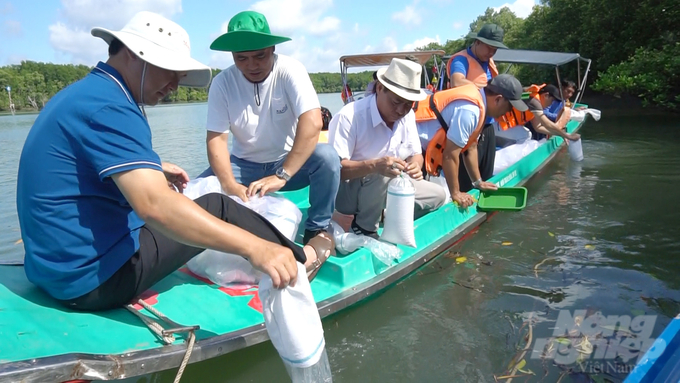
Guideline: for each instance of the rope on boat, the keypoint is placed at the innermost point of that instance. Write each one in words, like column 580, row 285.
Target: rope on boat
column 167, row 335
column 152, row 325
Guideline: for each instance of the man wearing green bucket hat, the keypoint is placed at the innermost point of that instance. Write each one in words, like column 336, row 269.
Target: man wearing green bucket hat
column 268, row 103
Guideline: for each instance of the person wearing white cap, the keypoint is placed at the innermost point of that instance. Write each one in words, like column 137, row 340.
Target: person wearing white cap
column 377, row 139
column 99, row 222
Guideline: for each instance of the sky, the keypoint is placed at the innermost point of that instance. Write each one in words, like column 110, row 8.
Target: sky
column 321, row 30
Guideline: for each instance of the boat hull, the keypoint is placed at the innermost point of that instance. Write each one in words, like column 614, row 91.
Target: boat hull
column 49, row 343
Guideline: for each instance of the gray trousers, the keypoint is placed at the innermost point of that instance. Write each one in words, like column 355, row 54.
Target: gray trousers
column 365, row 198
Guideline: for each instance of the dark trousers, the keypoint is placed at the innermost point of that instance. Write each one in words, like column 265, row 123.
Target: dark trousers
column 486, row 153
column 158, row 256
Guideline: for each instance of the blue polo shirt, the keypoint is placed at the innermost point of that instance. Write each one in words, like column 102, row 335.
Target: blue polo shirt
column 77, row 227
column 553, row 110
column 461, row 65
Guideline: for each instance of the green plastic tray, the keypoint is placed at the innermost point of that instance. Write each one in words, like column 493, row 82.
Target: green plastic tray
column 512, row 199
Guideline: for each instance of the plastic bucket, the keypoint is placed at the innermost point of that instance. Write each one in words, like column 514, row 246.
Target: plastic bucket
column 576, row 150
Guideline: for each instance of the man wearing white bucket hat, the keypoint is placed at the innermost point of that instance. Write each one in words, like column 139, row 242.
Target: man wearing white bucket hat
column 377, row 139
column 99, row 222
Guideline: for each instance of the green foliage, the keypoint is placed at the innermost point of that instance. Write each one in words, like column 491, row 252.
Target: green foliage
column 506, row 19
column 633, row 45
column 332, row 82
column 651, row 74
column 609, row 32
column 34, row 83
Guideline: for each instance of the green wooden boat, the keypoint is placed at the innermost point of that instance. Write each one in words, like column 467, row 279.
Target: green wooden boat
column 43, row 342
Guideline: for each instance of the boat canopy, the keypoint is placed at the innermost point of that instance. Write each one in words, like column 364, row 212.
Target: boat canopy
column 379, row 59
column 383, row 59
column 518, row 56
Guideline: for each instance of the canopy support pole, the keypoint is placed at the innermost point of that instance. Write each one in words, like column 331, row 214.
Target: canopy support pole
column 582, row 89
column 559, row 81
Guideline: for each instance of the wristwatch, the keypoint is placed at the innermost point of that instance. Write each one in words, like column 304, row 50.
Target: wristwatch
column 477, row 183
column 281, row 173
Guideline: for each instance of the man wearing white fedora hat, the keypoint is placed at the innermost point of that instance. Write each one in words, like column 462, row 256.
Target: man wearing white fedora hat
column 377, row 139
column 99, row 222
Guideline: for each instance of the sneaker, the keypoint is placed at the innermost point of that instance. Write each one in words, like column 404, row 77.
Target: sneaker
column 359, row 231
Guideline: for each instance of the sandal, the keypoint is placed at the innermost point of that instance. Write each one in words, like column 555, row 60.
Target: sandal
column 324, row 246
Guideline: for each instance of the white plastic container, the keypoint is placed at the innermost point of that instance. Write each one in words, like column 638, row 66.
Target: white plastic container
column 576, row 150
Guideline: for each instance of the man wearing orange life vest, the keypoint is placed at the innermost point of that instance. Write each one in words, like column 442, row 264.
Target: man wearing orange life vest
column 475, row 65
column 450, row 121
column 535, row 119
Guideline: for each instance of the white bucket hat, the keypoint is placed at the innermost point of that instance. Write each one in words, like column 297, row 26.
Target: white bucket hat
column 162, row 43
column 403, row 78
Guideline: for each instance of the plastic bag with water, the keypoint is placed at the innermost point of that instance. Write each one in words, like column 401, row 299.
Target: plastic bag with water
column 318, row 373
column 398, row 225
column 294, row 326
column 385, row 252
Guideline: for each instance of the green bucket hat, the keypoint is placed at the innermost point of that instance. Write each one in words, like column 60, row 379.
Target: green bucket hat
column 247, row 31
column 490, row 34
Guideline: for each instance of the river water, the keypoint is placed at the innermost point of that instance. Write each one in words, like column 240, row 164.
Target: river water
column 606, row 229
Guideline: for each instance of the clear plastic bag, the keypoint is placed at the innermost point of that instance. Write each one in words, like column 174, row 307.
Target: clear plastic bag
column 349, row 242
column 281, row 212
column 224, row 269
column 337, row 230
column 385, row 252
column 227, row 269
column 201, row 186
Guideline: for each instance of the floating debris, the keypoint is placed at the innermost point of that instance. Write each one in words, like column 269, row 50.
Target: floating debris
column 551, row 234
column 506, row 243
column 542, row 262
column 590, row 247
column 518, row 363
column 19, row 241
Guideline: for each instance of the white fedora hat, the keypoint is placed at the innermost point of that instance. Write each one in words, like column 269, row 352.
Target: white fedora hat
column 162, row 43
column 403, row 78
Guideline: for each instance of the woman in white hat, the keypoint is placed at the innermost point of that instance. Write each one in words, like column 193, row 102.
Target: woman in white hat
column 99, row 223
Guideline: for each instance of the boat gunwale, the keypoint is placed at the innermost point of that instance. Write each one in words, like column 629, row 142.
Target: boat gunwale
column 76, row 366
column 88, row 366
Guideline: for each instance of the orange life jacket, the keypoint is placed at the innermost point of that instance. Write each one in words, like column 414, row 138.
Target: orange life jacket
column 515, row 117
column 430, row 109
column 475, row 72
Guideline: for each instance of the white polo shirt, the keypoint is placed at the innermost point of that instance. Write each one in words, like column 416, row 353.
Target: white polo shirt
column 261, row 132
column 357, row 132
